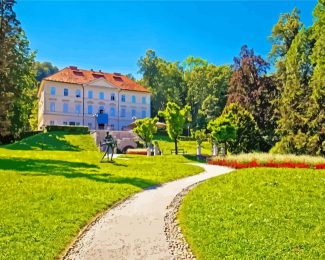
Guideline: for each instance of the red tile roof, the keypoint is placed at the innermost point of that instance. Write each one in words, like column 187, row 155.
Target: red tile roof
column 78, row 76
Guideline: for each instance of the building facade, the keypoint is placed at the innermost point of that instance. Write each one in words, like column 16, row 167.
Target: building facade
column 95, row 99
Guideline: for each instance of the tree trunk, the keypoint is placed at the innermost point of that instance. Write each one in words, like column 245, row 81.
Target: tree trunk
column 176, row 148
column 198, row 150
column 225, row 148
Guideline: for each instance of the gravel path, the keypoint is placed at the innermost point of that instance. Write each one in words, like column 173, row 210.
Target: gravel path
column 135, row 229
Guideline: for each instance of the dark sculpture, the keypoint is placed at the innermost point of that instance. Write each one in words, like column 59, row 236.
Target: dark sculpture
column 110, row 143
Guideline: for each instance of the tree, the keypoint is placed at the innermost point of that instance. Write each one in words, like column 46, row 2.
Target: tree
column 294, row 99
column 255, row 91
column 222, row 130
column 175, row 118
column 146, row 128
column 17, row 76
column 44, row 69
column 316, row 106
column 200, row 136
column 247, row 133
column 207, row 87
column 283, row 33
column 165, row 79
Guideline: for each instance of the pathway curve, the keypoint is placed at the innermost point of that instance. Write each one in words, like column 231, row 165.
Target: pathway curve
column 135, row 228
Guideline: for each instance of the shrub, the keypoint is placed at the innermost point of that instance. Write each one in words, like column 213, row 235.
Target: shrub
column 68, row 129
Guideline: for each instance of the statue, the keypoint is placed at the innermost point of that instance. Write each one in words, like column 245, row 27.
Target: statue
column 110, row 143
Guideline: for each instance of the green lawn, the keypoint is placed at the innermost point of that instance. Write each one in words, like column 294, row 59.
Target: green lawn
column 166, row 144
column 257, row 214
column 48, row 195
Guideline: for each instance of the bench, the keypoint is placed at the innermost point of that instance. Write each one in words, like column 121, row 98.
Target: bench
column 180, row 151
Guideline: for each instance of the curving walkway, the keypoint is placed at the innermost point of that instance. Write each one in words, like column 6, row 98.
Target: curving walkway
column 135, row 228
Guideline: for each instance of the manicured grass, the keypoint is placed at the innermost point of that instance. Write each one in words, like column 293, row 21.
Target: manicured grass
column 257, row 214
column 48, row 196
column 166, row 144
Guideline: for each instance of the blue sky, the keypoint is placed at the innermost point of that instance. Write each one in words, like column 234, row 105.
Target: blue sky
column 112, row 36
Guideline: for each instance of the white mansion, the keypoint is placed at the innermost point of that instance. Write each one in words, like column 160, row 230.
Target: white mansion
column 95, row 99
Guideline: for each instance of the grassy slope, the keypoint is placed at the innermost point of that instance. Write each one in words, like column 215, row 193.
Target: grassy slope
column 256, row 214
column 48, row 196
column 166, row 144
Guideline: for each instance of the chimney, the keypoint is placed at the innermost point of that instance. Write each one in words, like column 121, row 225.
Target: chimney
column 100, row 70
column 73, row 67
column 92, row 70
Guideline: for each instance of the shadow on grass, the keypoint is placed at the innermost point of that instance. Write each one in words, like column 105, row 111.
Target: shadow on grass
column 44, row 141
column 192, row 157
column 69, row 170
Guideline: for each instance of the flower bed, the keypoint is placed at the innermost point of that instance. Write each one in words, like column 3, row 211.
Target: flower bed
column 137, row 151
column 266, row 160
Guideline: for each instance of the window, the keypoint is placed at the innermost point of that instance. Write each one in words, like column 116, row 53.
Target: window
column 51, row 122
column 72, row 123
column 52, row 107
column 112, row 111
column 65, row 92
column 123, row 112
column 78, row 108
column 144, row 113
column 89, row 125
column 101, row 95
column 143, row 100
column 113, row 97
column 90, row 109
column 90, row 94
column 78, row 93
column 65, row 123
column 134, row 99
column 65, row 108
column 77, row 123
column 123, row 98
column 133, row 112
column 53, row 91
column 101, row 109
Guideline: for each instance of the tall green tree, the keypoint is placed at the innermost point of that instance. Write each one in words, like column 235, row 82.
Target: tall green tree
column 293, row 102
column 165, row 79
column 175, row 118
column 283, row 33
column 17, row 76
column 207, row 87
column 316, row 105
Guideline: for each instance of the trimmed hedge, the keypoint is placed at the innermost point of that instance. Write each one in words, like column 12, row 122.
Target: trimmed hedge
column 68, row 129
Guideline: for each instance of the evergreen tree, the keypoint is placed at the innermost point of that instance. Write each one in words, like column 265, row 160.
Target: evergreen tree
column 316, row 105
column 294, row 99
column 17, row 78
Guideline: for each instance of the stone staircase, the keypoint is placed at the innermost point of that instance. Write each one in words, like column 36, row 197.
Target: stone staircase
column 125, row 139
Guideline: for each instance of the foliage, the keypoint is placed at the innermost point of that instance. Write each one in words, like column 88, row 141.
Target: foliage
column 294, row 99
column 222, row 130
column 175, row 118
column 316, row 107
column 193, row 81
column 200, row 136
column 283, row 33
column 17, row 81
column 44, row 69
column 207, row 88
column 252, row 89
column 146, row 128
column 247, row 132
column 48, row 196
column 256, row 214
column 68, row 129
